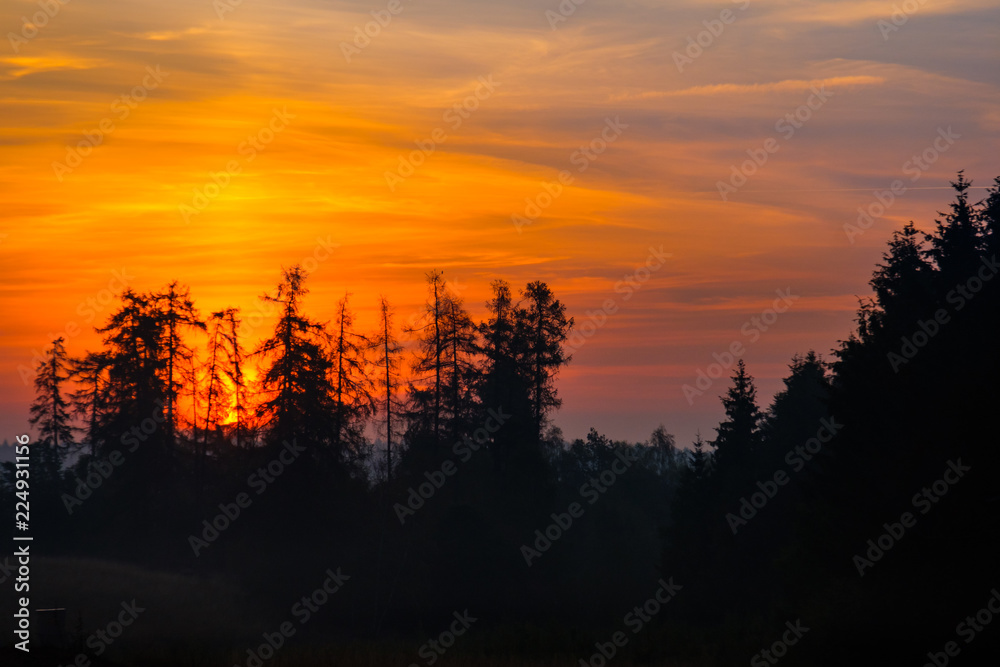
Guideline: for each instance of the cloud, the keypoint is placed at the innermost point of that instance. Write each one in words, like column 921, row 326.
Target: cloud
column 788, row 85
column 172, row 35
column 20, row 66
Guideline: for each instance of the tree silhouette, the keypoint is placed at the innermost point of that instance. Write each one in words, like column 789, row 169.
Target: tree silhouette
column 233, row 369
column 903, row 282
column 428, row 364
column 352, row 389
column 738, row 438
column 460, row 343
column 50, row 412
column 503, row 382
column 441, row 387
column 216, row 394
column 137, row 389
column 296, row 381
column 957, row 242
column 175, row 311
column 663, row 455
column 134, row 417
column 796, row 411
column 544, row 327
column 989, row 219
column 89, row 399
column 700, row 459
column 388, row 361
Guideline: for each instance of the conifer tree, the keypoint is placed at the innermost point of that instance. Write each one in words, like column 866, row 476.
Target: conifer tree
column 296, row 382
column 236, row 358
column 542, row 324
column 216, row 393
column 738, row 437
column 425, row 409
column 89, row 399
column 441, row 389
column 958, row 241
column 352, row 388
column 388, row 361
column 137, row 388
column 503, row 382
column 175, row 311
column 50, row 412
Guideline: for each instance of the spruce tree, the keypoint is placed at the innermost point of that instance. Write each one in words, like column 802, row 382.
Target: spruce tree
column 50, row 413
column 738, row 437
column 542, row 324
column 296, row 384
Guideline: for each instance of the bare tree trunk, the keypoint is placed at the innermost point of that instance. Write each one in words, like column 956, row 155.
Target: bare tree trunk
column 437, row 365
column 388, row 396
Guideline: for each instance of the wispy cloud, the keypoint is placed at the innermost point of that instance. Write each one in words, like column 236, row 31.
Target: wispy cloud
column 21, row 66
column 788, row 85
column 172, row 35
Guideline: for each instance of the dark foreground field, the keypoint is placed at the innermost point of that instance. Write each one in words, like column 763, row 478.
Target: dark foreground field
column 186, row 619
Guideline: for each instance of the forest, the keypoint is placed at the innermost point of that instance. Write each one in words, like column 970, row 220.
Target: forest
column 414, row 473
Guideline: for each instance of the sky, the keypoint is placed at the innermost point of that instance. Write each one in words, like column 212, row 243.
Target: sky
column 666, row 167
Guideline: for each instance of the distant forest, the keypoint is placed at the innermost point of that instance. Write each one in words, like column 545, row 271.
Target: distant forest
column 432, row 474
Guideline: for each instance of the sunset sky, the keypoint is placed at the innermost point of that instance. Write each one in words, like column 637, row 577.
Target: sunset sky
column 180, row 89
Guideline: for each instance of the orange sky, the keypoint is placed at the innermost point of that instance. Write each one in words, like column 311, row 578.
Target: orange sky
column 318, row 171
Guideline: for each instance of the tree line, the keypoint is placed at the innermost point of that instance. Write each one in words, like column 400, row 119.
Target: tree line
column 322, row 384
column 761, row 523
